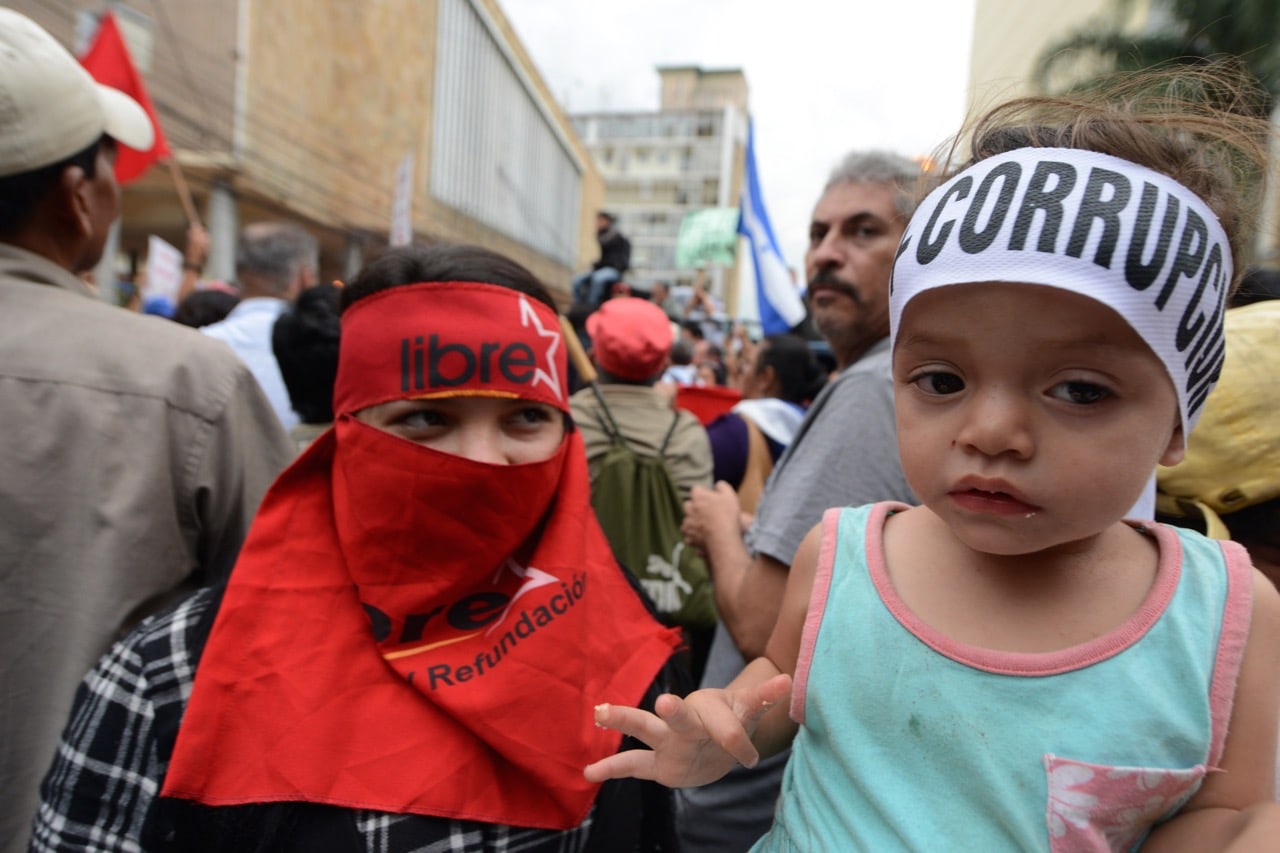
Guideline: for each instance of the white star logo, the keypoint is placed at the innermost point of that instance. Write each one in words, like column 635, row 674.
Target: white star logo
column 533, row 578
column 550, row 376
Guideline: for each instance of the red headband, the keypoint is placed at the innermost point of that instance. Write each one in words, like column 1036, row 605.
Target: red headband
column 449, row 339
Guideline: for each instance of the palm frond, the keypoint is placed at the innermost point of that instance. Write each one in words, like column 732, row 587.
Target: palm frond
column 1193, row 32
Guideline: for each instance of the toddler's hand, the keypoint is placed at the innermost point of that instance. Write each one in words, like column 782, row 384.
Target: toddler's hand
column 694, row 740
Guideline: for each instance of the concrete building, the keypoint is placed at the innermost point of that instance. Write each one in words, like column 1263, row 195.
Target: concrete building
column 658, row 166
column 308, row 109
column 1010, row 35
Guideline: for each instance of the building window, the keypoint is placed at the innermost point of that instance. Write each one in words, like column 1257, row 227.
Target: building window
column 496, row 152
column 710, row 192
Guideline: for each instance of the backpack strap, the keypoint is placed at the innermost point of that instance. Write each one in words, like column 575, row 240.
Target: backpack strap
column 605, row 417
column 675, row 421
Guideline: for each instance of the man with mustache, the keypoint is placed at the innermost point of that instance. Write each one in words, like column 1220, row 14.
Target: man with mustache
column 845, row 453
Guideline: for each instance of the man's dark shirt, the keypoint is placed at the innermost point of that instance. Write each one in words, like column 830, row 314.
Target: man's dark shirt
column 615, row 250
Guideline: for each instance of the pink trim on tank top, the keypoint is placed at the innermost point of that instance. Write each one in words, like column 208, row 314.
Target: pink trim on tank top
column 1168, row 571
column 817, row 606
column 1235, row 632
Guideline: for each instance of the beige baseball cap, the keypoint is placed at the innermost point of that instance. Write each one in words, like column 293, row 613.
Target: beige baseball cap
column 50, row 107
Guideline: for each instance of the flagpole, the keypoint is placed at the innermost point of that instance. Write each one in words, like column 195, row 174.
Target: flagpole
column 184, row 192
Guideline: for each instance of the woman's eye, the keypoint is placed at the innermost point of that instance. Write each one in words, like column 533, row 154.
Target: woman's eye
column 531, row 416
column 939, row 383
column 423, row 419
column 1082, row 393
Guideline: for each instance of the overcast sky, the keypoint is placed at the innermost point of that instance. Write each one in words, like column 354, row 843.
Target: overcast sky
column 824, row 77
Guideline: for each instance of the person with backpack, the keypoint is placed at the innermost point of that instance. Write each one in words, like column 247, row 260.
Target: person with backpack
column 644, row 457
column 630, row 345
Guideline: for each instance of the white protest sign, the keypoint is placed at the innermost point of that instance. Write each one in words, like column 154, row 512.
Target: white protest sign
column 402, row 204
column 164, row 269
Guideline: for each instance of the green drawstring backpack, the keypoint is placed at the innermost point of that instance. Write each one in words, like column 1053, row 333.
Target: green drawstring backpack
column 639, row 508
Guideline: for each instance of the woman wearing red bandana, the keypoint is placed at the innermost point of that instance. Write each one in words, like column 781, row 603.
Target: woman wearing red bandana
column 422, row 611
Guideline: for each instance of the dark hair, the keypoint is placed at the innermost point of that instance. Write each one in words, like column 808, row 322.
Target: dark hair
column 719, row 373
column 1258, row 285
column 800, row 377
column 443, row 262
column 681, row 352
column 22, row 193
column 604, row 377
column 1256, row 523
column 1256, row 526
column 204, row 307
column 305, row 342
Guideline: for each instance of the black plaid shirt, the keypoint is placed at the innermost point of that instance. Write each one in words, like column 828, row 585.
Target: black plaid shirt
column 101, row 791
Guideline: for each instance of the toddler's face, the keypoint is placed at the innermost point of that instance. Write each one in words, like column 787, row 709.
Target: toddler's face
column 1028, row 417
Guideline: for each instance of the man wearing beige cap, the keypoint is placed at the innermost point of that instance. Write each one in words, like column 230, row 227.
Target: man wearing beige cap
column 135, row 451
column 630, row 344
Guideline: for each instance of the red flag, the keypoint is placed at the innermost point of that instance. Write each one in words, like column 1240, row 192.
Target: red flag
column 108, row 60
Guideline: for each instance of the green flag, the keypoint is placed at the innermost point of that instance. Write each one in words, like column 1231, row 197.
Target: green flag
column 707, row 236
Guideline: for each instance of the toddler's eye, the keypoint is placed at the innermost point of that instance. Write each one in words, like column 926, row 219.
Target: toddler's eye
column 938, row 383
column 1082, row 393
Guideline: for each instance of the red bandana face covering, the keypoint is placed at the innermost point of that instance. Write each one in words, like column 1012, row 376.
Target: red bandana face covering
column 410, row 631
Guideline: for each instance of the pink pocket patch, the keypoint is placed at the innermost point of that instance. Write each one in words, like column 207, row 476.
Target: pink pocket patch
column 1097, row 807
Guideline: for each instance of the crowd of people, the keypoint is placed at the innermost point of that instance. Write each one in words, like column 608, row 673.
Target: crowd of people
column 308, row 566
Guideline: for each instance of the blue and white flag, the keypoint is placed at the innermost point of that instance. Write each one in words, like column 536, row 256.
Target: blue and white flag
column 777, row 299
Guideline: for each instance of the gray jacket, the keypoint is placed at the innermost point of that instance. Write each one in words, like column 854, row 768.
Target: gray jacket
column 134, row 454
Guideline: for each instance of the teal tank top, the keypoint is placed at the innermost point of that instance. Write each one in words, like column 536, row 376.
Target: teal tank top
column 909, row 740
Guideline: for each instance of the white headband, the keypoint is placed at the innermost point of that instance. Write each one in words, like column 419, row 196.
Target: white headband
column 1129, row 237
